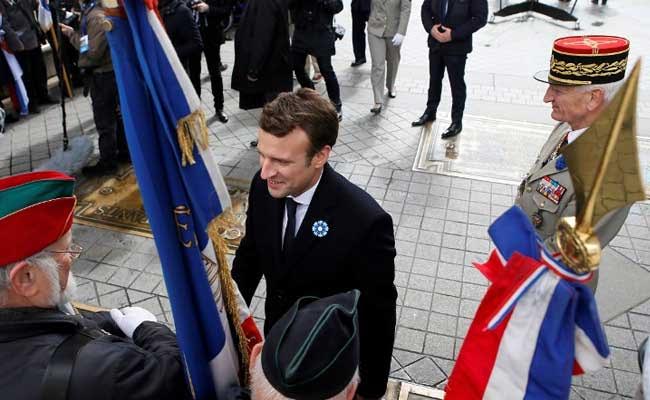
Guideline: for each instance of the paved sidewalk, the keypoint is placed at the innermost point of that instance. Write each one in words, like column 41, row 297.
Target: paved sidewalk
column 440, row 221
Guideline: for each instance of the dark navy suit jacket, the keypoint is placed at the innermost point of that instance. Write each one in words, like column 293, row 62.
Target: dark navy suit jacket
column 464, row 17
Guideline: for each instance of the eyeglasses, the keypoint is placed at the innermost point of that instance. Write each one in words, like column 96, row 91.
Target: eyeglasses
column 74, row 250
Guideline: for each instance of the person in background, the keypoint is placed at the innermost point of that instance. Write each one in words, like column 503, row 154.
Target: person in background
column 360, row 12
column 386, row 30
column 449, row 25
column 183, row 33
column 314, row 34
column 211, row 16
column 95, row 60
column 262, row 68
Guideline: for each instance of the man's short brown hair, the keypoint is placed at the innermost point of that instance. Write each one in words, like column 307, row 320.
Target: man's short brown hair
column 307, row 110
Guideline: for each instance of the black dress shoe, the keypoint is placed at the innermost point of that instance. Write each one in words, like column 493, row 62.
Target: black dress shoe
column 426, row 117
column 221, row 116
column 376, row 109
column 223, row 67
column 10, row 118
column 392, row 95
column 33, row 108
column 453, row 130
column 357, row 63
column 253, row 143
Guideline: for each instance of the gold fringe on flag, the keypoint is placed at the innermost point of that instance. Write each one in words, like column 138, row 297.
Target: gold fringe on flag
column 190, row 130
column 228, row 288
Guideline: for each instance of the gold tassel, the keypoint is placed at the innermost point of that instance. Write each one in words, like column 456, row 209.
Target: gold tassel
column 228, row 288
column 189, row 130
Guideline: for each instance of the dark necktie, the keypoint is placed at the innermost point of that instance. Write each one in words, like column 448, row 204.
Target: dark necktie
column 290, row 231
column 443, row 9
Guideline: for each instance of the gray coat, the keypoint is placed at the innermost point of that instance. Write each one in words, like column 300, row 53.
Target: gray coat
column 388, row 17
column 551, row 210
column 19, row 20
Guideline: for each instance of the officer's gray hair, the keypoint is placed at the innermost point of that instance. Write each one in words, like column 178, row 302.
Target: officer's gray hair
column 609, row 89
column 46, row 263
column 261, row 389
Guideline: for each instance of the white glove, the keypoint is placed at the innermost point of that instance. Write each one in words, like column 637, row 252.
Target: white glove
column 129, row 318
column 398, row 39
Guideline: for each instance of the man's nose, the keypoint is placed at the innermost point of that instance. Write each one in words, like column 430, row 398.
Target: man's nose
column 267, row 169
column 548, row 96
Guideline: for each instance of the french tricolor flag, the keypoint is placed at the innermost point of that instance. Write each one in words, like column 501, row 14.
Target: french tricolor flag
column 184, row 194
column 536, row 326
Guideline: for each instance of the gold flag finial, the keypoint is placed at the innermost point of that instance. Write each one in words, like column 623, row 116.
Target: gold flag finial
column 604, row 167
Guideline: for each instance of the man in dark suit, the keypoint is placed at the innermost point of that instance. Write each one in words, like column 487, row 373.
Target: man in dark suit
column 360, row 13
column 310, row 232
column 450, row 25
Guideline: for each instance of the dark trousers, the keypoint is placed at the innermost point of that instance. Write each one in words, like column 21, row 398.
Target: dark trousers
column 212, row 51
column 108, row 119
column 455, row 65
column 359, row 35
column 326, row 69
column 34, row 74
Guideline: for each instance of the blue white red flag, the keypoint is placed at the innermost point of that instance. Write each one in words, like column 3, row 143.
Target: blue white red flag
column 182, row 189
column 44, row 15
column 536, row 326
column 17, row 90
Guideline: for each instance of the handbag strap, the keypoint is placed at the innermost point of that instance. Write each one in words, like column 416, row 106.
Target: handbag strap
column 59, row 370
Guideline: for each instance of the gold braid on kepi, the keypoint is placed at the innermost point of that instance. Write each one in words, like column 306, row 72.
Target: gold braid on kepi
column 228, row 288
column 586, row 60
column 191, row 130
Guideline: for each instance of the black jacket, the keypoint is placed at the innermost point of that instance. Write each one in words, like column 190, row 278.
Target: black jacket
column 181, row 29
column 357, row 253
column 464, row 17
column 262, row 48
column 313, row 20
column 211, row 23
column 361, row 7
column 110, row 367
column 18, row 20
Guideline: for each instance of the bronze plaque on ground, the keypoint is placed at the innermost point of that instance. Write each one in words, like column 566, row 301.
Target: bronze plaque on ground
column 114, row 202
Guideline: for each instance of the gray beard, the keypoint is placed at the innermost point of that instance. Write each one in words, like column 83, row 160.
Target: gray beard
column 62, row 299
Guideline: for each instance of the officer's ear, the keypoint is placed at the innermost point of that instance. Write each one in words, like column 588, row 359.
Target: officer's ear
column 23, row 278
column 596, row 99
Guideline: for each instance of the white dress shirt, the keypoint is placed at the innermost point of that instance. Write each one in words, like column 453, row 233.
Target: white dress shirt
column 301, row 209
column 573, row 135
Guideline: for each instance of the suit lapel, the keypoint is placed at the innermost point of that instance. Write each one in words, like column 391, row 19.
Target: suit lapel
column 320, row 209
column 277, row 214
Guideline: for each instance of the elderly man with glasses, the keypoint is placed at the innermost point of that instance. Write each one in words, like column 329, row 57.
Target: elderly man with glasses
column 48, row 353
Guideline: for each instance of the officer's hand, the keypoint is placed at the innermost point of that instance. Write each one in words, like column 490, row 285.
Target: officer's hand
column 397, row 40
column 129, row 318
column 201, row 7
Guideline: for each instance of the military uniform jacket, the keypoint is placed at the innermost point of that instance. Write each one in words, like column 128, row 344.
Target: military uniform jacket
column 388, row 17
column 356, row 252
column 547, row 194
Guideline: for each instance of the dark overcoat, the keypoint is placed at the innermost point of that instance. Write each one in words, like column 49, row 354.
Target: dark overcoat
column 357, row 252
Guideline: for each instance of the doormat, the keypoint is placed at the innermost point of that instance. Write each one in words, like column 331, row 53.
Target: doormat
column 114, row 202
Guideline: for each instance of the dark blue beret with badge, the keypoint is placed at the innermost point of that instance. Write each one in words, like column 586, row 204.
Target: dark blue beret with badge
column 312, row 352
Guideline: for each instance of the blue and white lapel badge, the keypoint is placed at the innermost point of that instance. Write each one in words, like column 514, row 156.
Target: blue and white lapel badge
column 320, row 228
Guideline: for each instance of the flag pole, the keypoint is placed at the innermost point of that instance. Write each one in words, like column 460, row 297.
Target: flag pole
column 64, row 72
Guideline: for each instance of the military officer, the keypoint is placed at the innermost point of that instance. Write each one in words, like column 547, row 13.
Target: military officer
column 585, row 73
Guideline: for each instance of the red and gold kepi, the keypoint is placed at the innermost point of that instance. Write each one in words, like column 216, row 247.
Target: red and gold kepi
column 36, row 209
column 587, row 60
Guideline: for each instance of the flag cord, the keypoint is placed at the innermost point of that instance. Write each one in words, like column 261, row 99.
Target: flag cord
column 190, row 130
column 229, row 291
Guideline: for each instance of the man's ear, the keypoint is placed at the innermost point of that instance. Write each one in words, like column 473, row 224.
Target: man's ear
column 321, row 157
column 596, row 100
column 255, row 353
column 23, row 279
